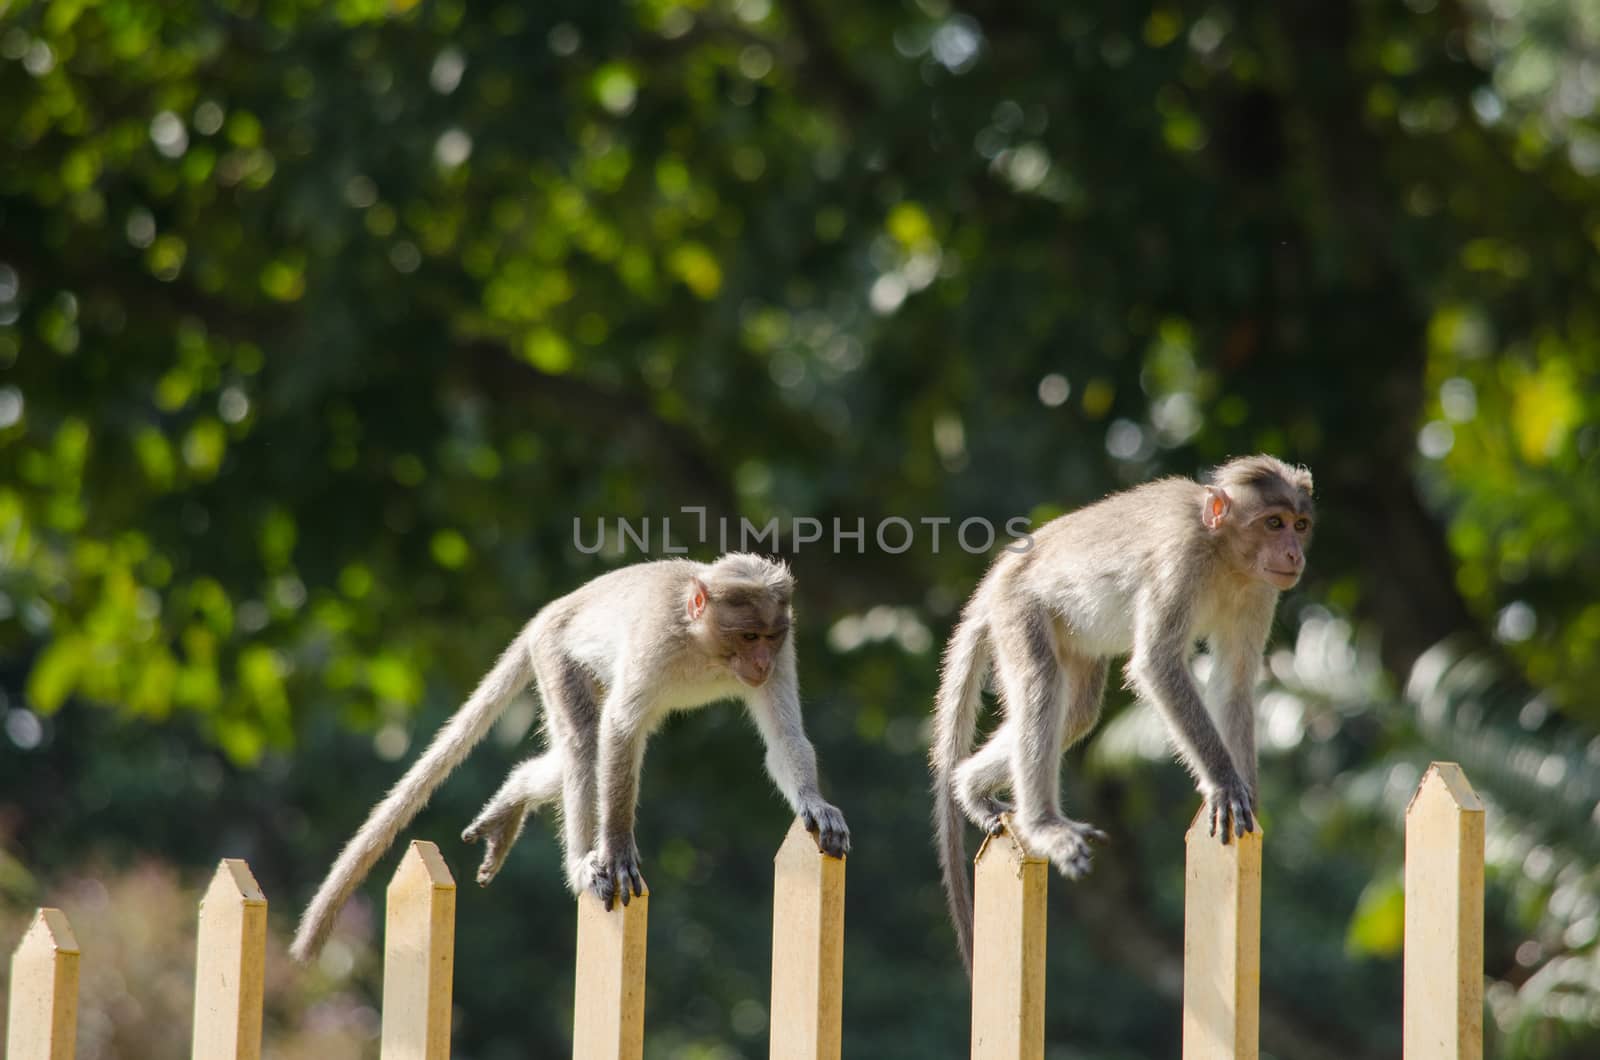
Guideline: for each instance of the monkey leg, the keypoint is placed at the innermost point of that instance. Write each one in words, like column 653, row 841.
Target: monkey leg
column 1084, row 691
column 572, row 722
column 578, row 818
column 983, row 773
column 530, row 785
column 1034, row 683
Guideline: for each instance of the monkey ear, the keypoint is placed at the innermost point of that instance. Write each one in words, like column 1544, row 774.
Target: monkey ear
column 1215, row 508
column 698, row 597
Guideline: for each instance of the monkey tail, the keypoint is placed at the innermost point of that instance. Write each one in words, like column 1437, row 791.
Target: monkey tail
column 510, row 675
column 966, row 661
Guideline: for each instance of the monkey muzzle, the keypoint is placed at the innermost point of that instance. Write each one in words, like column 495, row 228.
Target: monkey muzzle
column 1284, row 579
column 751, row 674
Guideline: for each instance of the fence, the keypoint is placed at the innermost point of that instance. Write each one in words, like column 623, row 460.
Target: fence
column 1443, row 1001
column 419, row 958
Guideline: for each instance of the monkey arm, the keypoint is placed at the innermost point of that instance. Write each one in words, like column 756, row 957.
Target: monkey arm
column 1236, row 657
column 792, row 761
column 1159, row 669
column 621, row 756
column 1231, row 692
column 1160, row 672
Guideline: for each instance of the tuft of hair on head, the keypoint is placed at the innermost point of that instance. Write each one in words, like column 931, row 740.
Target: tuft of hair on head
column 747, row 571
column 1256, row 472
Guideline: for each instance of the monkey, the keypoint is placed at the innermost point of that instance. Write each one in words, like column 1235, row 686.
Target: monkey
column 1146, row 572
column 611, row 660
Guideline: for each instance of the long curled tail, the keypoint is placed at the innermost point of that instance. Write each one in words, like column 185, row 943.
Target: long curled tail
column 966, row 661
column 509, row 676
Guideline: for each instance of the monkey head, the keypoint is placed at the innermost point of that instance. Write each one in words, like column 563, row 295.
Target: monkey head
column 1259, row 510
column 740, row 612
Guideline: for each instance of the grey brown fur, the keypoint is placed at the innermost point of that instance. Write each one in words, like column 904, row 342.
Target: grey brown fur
column 1146, row 573
column 612, row 659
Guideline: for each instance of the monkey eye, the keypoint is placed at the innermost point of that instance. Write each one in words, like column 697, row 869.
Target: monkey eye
column 751, row 636
column 1302, row 525
column 1274, row 522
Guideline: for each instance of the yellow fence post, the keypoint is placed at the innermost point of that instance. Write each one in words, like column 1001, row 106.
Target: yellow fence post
column 419, row 938
column 1009, row 889
column 230, row 966
column 807, row 950
column 608, row 999
column 1221, row 944
column 42, row 1020
column 1444, row 918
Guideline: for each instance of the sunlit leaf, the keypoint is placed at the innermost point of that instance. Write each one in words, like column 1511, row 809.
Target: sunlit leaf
column 697, row 267
column 1544, row 412
column 450, row 549
column 1378, row 925
column 55, row 673
column 547, row 351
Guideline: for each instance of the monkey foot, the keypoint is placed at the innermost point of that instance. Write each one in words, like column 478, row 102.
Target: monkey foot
column 1075, row 864
column 498, row 831
column 494, row 856
column 1067, row 846
column 614, row 876
column 995, row 813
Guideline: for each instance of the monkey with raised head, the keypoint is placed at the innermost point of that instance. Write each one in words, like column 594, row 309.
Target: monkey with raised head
column 611, row 660
column 1146, row 573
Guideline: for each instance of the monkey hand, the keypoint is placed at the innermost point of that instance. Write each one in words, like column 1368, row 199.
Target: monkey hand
column 612, row 872
column 995, row 823
column 827, row 824
column 1230, row 804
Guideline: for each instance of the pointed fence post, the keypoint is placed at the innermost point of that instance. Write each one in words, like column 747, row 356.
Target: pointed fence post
column 608, row 998
column 1009, row 889
column 1221, row 944
column 419, row 937
column 230, row 966
column 42, row 1020
column 807, row 950
column 1444, row 918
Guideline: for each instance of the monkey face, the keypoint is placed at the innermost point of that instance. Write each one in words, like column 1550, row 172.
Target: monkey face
column 1281, row 537
column 753, row 631
column 744, row 626
column 1263, row 525
column 752, row 649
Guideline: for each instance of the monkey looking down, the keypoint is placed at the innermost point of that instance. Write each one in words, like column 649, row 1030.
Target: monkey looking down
column 611, row 659
column 1146, row 573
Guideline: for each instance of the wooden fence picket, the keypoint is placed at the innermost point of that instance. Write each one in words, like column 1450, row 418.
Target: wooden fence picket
column 1444, row 918
column 419, row 937
column 1009, row 889
column 807, row 950
column 230, row 966
column 608, row 997
column 42, row 1019
column 1221, row 944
